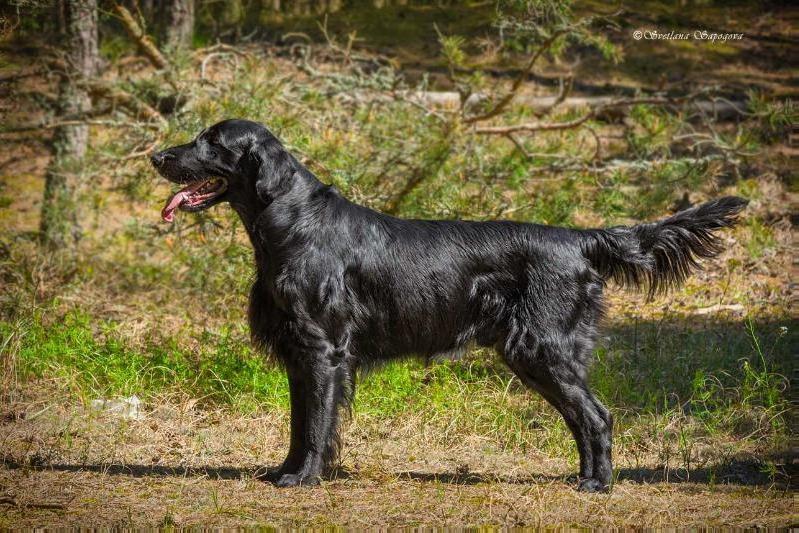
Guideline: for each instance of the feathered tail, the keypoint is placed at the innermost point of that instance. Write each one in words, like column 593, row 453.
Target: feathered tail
column 661, row 254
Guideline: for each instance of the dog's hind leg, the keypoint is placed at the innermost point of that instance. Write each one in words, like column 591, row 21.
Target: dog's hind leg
column 558, row 374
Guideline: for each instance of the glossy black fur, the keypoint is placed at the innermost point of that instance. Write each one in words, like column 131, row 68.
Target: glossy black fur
column 341, row 288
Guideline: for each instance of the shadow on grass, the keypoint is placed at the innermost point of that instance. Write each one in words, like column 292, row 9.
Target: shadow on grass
column 134, row 470
column 746, row 472
column 700, row 364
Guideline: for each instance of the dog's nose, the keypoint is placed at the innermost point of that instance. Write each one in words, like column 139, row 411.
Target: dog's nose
column 158, row 158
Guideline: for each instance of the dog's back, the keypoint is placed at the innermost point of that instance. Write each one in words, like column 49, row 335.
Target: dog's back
column 425, row 287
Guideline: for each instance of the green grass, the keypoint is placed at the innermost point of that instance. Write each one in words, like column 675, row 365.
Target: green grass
column 726, row 378
column 760, row 239
column 91, row 358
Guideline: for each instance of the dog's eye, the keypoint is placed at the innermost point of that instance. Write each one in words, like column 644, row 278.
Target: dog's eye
column 212, row 154
column 210, row 139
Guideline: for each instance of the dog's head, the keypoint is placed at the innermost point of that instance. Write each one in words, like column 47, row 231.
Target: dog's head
column 236, row 161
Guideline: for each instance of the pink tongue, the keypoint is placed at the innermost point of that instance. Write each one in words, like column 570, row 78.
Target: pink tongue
column 168, row 212
column 180, row 197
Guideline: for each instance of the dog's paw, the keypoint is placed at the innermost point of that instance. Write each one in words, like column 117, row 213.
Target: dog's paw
column 269, row 475
column 295, row 480
column 592, row 485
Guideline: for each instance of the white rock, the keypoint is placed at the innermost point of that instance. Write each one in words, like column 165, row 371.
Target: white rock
column 129, row 408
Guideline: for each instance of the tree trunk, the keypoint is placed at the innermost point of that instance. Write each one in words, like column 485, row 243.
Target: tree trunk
column 59, row 225
column 180, row 23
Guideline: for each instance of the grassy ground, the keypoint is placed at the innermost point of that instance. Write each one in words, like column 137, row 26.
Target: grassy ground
column 186, row 465
column 697, row 380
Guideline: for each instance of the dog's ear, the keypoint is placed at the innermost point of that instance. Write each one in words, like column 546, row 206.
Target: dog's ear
column 274, row 169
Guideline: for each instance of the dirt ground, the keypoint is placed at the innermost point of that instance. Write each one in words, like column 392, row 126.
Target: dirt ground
column 65, row 464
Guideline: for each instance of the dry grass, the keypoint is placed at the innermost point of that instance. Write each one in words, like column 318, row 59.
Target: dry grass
column 182, row 466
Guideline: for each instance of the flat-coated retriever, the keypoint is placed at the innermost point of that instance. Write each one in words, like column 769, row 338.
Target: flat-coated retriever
column 340, row 287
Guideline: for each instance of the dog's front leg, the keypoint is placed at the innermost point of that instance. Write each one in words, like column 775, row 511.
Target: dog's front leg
column 297, row 447
column 323, row 380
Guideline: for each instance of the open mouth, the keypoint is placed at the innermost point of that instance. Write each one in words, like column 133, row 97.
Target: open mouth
column 196, row 196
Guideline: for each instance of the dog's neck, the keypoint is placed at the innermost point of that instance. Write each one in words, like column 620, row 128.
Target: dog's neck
column 269, row 222
column 248, row 208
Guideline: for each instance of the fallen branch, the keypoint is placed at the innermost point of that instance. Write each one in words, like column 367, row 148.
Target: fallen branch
column 614, row 165
column 448, row 99
column 593, row 112
column 221, row 47
column 126, row 100
column 720, row 108
column 715, row 309
column 535, row 126
column 143, row 41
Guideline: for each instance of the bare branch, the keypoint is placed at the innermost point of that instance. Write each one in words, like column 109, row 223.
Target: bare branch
column 564, row 88
column 535, row 126
column 221, row 47
column 638, row 165
column 594, row 112
column 541, row 105
column 139, row 153
column 212, row 56
column 521, row 78
column 598, row 144
column 143, row 41
column 403, row 97
column 126, row 100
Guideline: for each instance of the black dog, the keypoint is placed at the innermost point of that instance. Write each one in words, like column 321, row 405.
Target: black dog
column 341, row 287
